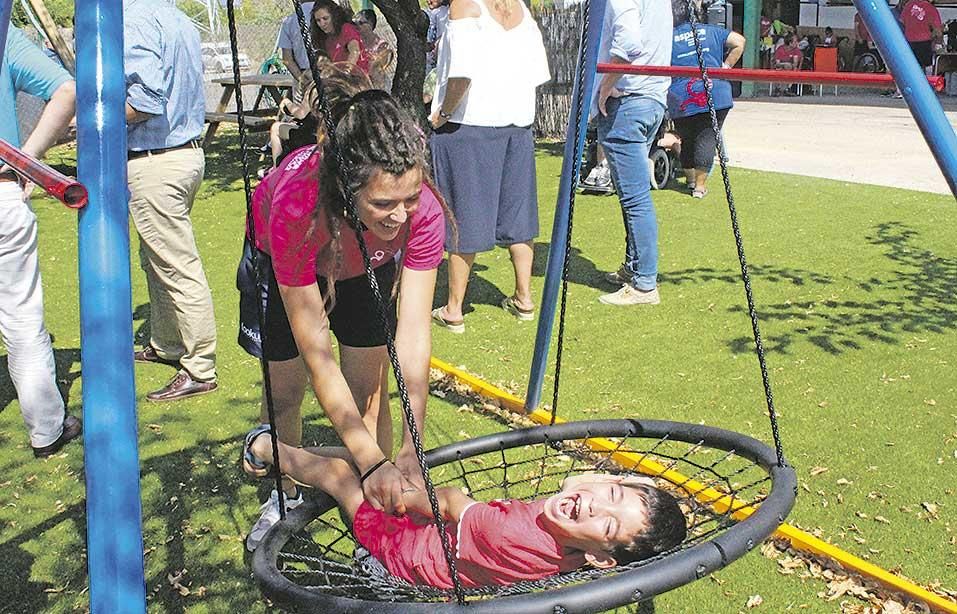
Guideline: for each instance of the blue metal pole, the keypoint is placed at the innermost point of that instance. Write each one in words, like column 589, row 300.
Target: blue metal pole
column 6, row 7
column 114, row 525
column 912, row 82
column 571, row 165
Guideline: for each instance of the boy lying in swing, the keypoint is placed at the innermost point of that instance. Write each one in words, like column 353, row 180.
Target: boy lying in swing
column 600, row 520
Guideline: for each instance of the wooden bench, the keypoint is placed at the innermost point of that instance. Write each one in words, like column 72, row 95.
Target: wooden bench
column 253, row 122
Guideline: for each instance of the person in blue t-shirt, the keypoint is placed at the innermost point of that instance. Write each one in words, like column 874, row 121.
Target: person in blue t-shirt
column 687, row 98
column 25, row 68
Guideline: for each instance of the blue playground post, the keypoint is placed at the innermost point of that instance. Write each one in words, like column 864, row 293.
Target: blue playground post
column 6, row 7
column 910, row 78
column 571, row 165
column 113, row 511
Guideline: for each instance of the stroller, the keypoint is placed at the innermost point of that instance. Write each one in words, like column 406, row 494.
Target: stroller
column 595, row 177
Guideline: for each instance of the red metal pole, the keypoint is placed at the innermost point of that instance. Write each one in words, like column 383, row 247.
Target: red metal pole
column 67, row 190
column 849, row 79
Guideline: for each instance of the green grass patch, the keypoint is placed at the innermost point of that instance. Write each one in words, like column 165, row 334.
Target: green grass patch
column 855, row 288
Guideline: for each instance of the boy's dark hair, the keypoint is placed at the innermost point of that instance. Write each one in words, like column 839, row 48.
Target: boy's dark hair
column 666, row 526
column 339, row 18
column 680, row 12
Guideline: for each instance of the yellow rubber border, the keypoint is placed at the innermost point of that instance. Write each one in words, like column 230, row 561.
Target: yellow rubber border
column 797, row 538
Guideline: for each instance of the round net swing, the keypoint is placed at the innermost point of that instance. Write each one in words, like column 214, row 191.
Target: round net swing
column 730, row 486
column 734, row 490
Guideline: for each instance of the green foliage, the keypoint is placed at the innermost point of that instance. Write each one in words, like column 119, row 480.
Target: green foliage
column 854, row 285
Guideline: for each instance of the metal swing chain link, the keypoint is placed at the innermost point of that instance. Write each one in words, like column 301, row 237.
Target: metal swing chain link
column 576, row 169
column 739, row 243
column 257, row 269
column 353, row 216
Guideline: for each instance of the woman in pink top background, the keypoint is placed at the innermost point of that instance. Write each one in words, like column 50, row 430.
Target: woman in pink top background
column 317, row 284
column 335, row 37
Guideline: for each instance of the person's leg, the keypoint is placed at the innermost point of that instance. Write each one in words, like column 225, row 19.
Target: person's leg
column 522, row 255
column 366, row 369
column 29, row 351
column 683, row 126
column 287, row 383
column 705, row 147
column 466, row 161
column 460, row 267
column 162, row 189
column 517, row 220
column 333, row 476
column 625, row 134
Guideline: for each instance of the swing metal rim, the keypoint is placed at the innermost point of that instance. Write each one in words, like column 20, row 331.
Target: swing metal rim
column 597, row 595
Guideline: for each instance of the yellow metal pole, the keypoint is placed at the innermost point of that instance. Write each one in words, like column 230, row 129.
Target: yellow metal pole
column 722, row 502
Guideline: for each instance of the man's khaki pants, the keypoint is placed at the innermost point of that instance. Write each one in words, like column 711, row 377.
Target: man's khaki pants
column 162, row 189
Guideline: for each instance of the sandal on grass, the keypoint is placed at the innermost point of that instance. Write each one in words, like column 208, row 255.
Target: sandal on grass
column 453, row 327
column 524, row 315
column 252, row 465
column 699, row 193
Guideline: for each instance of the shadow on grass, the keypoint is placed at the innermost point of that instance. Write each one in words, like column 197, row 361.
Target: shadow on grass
column 916, row 297
column 180, row 490
column 224, row 171
column 64, row 360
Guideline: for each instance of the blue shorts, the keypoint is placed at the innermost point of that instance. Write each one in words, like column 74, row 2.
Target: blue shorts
column 487, row 176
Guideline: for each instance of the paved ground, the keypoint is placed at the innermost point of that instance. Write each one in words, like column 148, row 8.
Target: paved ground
column 861, row 139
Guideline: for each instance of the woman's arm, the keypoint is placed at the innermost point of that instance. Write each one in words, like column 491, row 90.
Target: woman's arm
column 735, row 46
column 413, row 342
column 354, row 51
column 310, row 326
column 457, row 87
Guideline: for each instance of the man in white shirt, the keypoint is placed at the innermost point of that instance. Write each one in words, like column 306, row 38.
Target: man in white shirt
column 629, row 110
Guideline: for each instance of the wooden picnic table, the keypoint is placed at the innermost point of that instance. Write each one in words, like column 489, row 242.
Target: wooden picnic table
column 277, row 85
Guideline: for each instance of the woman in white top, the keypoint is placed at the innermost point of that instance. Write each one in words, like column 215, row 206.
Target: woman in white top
column 490, row 61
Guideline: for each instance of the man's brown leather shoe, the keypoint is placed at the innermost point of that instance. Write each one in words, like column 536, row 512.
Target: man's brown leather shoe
column 182, row 386
column 148, row 354
column 72, row 427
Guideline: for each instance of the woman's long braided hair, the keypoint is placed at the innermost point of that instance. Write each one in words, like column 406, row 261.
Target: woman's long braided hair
column 373, row 133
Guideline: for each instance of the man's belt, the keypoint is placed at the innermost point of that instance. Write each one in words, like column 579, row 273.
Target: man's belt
column 132, row 155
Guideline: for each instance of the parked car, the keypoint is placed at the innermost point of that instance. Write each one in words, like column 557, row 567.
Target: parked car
column 218, row 58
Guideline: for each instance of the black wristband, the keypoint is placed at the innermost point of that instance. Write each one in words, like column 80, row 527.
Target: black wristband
column 372, row 469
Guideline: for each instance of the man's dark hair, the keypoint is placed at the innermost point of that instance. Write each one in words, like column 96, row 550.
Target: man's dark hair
column 681, row 13
column 367, row 15
column 666, row 526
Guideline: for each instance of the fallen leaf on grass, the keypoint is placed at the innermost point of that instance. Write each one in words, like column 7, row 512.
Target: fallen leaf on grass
column 818, row 471
column 174, row 579
column 754, row 601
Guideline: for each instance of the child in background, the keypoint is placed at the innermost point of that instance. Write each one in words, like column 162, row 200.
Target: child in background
column 597, row 519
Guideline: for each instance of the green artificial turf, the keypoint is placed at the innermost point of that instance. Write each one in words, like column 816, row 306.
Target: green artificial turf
column 855, row 288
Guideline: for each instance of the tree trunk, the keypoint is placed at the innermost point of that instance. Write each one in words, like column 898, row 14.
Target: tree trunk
column 410, row 25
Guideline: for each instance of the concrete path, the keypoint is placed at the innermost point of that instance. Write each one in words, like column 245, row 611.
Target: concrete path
column 834, row 138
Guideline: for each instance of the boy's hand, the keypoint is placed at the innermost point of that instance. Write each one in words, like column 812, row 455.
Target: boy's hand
column 408, row 464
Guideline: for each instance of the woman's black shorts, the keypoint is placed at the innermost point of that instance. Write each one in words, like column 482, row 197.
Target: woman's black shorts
column 354, row 318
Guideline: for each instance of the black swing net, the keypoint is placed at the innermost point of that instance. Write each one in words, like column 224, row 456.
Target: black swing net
column 734, row 490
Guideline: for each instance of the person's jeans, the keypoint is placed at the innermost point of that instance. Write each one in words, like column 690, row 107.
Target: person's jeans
column 626, row 134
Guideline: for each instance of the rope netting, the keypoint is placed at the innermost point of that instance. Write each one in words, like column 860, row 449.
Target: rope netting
column 323, row 557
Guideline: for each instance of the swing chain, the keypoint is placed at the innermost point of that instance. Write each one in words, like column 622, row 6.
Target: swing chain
column 738, row 241
column 353, row 217
column 576, row 170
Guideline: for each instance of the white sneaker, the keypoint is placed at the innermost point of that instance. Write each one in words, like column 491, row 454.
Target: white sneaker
column 629, row 295
column 269, row 517
column 602, row 176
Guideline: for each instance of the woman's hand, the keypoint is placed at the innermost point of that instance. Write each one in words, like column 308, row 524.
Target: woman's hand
column 437, row 121
column 383, row 489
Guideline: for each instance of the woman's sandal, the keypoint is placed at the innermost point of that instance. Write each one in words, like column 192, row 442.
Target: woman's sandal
column 509, row 305
column 440, row 320
column 252, row 465
column 699, row 193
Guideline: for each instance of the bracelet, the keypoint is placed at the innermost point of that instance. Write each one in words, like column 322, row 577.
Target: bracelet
column 373, row 469
column 444, row 115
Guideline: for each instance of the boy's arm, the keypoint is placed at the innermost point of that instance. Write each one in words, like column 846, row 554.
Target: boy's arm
column 452, row 502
